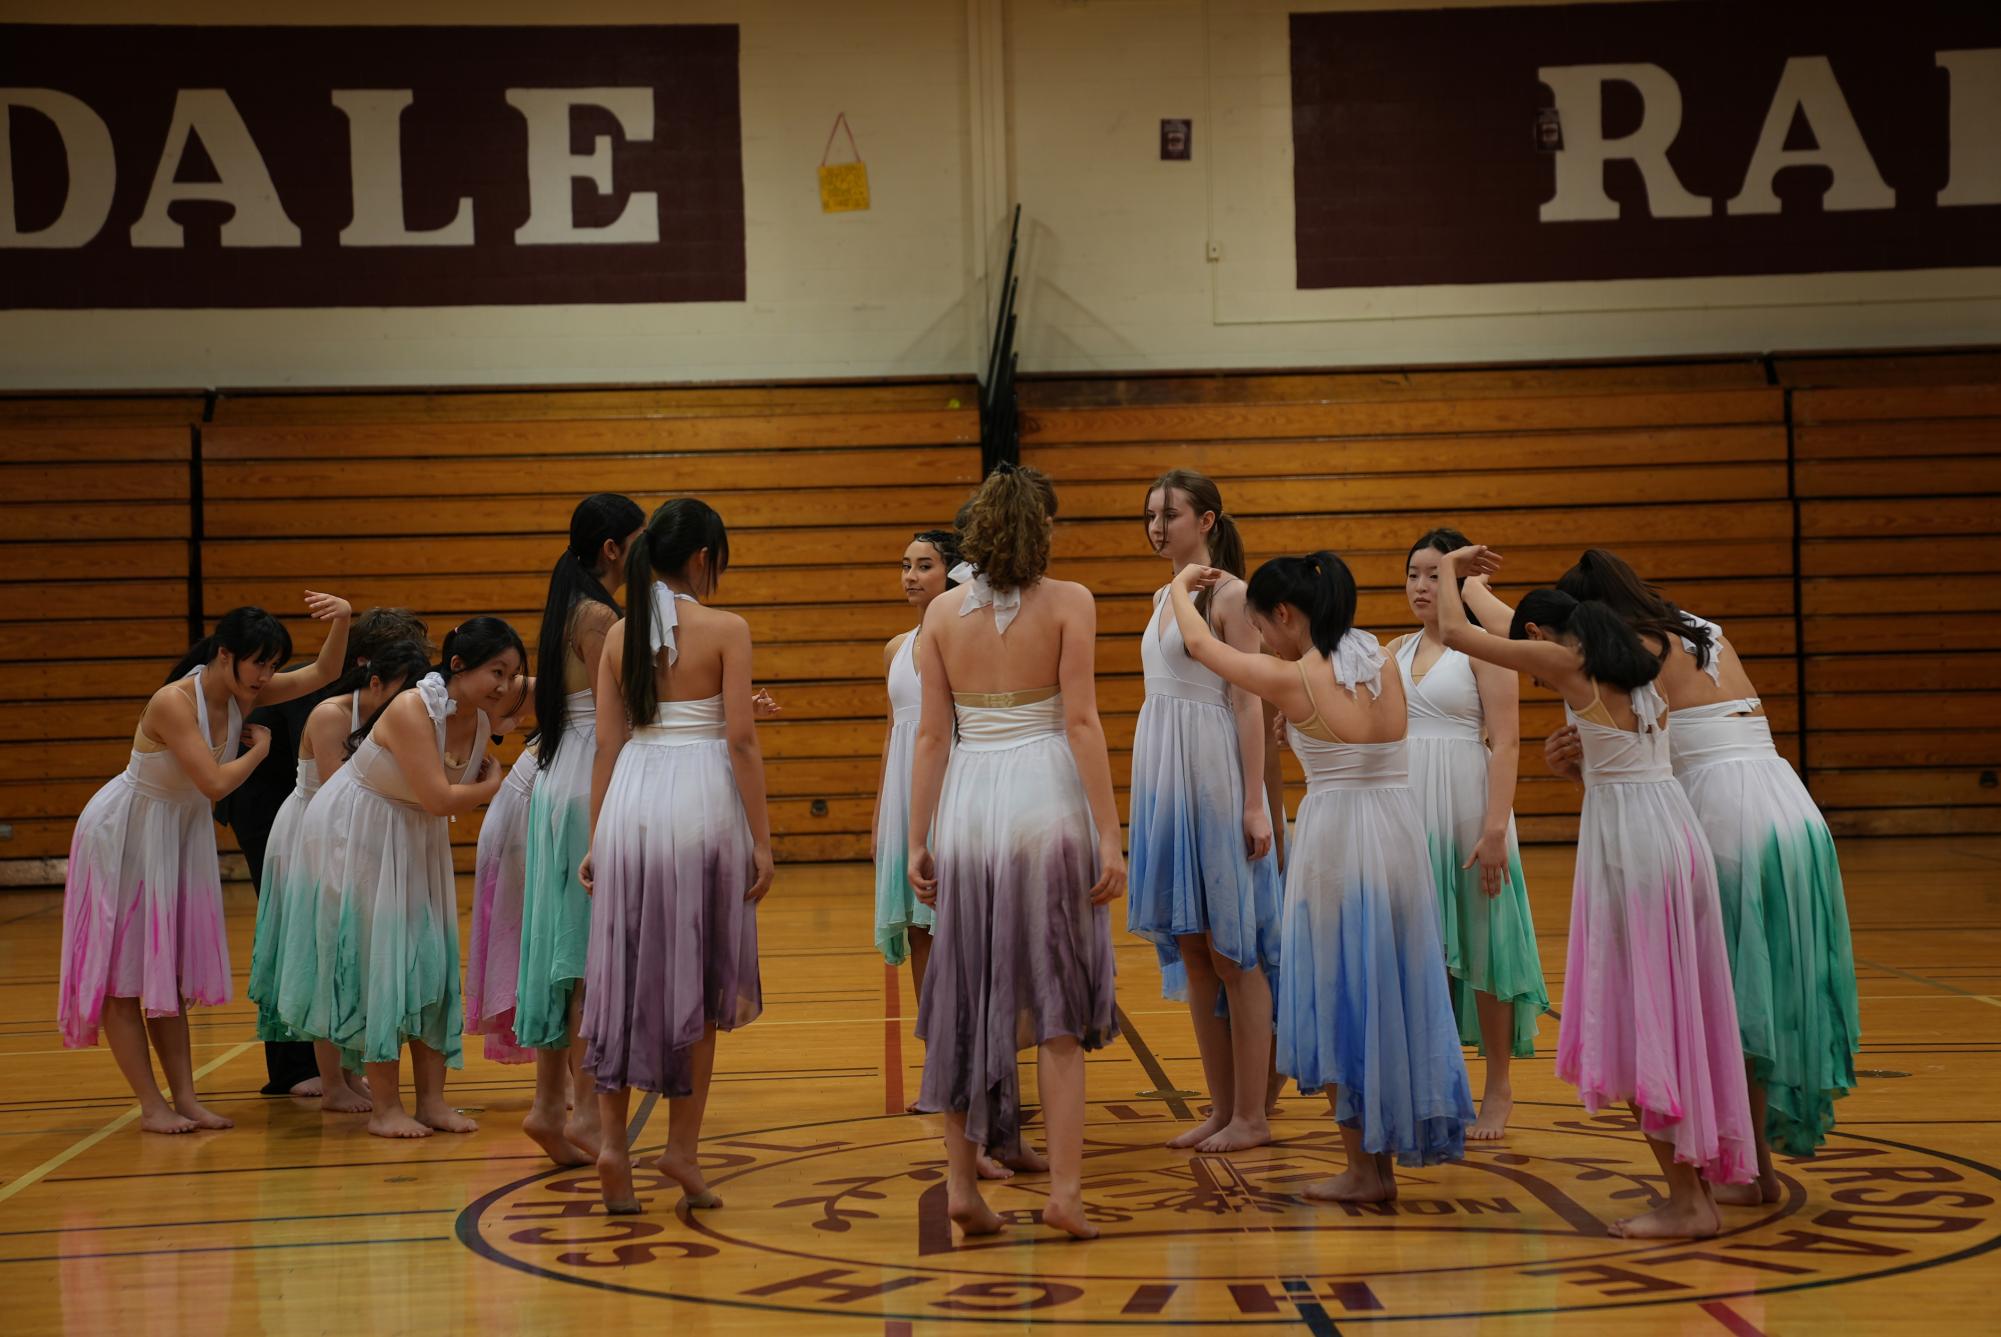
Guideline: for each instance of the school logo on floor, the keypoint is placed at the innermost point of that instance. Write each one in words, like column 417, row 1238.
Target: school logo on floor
column 850, row 1218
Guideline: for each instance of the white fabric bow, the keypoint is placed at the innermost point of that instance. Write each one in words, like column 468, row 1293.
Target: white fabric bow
column 438, row 703
column 665, row 619
column 1358, row 662
column 980, row 593
column 1714, row 668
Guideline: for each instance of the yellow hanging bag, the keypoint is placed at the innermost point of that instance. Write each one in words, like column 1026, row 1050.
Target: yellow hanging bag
column 843, row 185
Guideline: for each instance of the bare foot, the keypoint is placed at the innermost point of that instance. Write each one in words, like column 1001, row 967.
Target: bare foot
column 680, row 1167
column 546, row 1131
column 1695, row 1220
column 342, row 1100
column 308, row 1089
column 1027, row 1161
column 1202, row 1132
column 203, row 1116
column 444, row 1118
column 1762, row 1190
column 974, row 1217
column 164, row 1120
column 615, row 1182
column 1495, row 1107
column 989, row 1168
column 1358, row 1183
column 1238, row 1135
column 586, row 1136
column 1067, row 1215
column 395, row 1123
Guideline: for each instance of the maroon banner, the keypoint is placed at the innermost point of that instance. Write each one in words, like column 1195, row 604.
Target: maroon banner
column 337, row 166
column 1614, row 141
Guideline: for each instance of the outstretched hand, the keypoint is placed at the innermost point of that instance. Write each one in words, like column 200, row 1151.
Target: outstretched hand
column 327, row 607
column 1475, row 559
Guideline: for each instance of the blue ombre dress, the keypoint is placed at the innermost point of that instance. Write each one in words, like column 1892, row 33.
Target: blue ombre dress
column 1188, row 872
column 1364, row 1004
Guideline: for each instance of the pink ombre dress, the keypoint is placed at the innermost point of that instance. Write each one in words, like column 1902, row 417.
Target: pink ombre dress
column 493, row 956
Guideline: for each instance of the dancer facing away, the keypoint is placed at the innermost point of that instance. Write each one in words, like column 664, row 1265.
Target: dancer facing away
column 1649, row 1018
column 555, row 908
column 252, row 810
column 1205, row 882
column 143, row 932
column 493, row 947
column 1365, row 1007
column 1017, row 846
column 1785, row 918
column 285, row 955
column 1465, row 750
column 378, row 839
column 681, row 848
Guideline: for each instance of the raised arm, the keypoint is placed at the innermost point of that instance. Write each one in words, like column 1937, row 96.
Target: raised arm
column 1262, row 675
column 170, row 717
column 1076, row 675
column 1494, row 613
column 1554, row 664
column 746, row 759
column 406, row 730
column 332, row 662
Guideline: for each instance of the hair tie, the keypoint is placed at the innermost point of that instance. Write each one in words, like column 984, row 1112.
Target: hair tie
column 1004, row 467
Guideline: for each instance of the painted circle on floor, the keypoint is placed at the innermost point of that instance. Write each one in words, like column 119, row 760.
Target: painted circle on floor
column 850, row 1218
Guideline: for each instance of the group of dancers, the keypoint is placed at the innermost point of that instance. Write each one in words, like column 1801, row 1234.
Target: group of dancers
column 1709, row 983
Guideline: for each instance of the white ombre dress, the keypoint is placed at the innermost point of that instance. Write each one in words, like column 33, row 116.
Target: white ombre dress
column 1364, row 1001
column 1649, row 1016
column 897, row 909
column 1489, row 941
column 1785, row 918
column 1189, row 872
column 493, row 952
column 142, row 900
column 1019, row 956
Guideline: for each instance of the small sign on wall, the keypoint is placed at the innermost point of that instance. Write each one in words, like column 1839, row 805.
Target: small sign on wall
column 843, row 185
column 1177, row 139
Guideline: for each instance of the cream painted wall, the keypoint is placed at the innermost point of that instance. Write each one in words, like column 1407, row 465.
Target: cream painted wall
column 962, row 106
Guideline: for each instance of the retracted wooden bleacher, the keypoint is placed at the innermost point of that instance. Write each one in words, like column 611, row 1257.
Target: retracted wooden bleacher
column 456, row 503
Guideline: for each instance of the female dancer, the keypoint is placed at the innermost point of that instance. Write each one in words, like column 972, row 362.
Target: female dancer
column 143, row 930
column 555, row 908
column 681, row 851
column 1028, row 851
column 493, row 950
column 1648, row 1017
column 1365, row 1009
column 902, row 923
column 378, row 839
column 1784, row 915
column 1465, row 749
column 284, row 956
column 1204, row 885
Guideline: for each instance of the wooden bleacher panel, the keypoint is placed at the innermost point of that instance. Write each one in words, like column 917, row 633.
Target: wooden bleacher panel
column 1681, row 467
column 1899, row 479
column 95, row 519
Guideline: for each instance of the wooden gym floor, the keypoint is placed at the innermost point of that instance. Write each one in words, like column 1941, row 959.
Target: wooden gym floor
column 835, row 1213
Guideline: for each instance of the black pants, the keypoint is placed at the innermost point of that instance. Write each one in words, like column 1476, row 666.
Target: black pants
column 286, row 1062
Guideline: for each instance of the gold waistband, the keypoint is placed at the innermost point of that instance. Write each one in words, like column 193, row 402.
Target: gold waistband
column 1004, row 700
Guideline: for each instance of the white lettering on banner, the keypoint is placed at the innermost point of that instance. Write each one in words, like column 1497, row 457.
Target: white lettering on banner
column 1974, row 176
column 552, row 166
column 243, row 181
column 1580, row 164
column 93, row 171
column 375, row 160
column 1807, row 88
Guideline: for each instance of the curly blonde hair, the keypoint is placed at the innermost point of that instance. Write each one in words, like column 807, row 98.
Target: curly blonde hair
column 1007, row 527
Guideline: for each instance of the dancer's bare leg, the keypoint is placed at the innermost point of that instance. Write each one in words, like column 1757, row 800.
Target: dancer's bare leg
column 1497, row 1037
column 170, row 1042
column 550, row 1110
column 1368, row 1178
column 1060, row 1074
column 1250, row 1030
column 427, row 1067
column 614, row 1157
column 1689, row 1212
column 1212, row 1040
column 1765, row 1188
column 681, row 1161
column 385, row 1092
column 968, row 1210
column 125, row 1034
column 581, row 1129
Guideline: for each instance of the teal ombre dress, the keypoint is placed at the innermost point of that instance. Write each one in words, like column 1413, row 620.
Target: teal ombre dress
column 555, row 908
column 1489, row 941
column 897, row 909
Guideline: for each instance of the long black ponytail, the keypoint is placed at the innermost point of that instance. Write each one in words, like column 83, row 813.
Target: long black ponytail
column 1612, row 651
column 605, row 517
column 674, row 533
column 248, row 633
column 1607, row 578
column 1320, row 585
